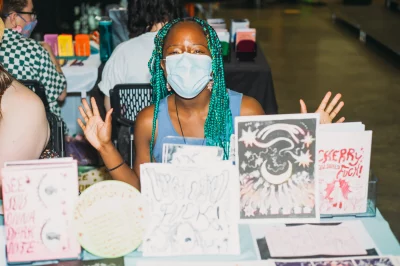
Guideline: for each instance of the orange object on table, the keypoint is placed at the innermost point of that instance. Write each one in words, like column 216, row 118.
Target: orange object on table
column 82, row 45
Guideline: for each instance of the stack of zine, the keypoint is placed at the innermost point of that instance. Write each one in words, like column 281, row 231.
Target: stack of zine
column 344, row 152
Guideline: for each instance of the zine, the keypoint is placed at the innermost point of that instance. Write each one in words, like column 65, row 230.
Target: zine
column 39, row 199
column 193, row 209
column 344, row 154
column 275, row 157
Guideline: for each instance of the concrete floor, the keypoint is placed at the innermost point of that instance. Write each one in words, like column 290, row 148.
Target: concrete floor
column 310, row 55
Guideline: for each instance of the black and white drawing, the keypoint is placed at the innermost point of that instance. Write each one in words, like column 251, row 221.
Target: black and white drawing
column 193, row 209
column 191, row 154
column 276, row 158
column 378, row 261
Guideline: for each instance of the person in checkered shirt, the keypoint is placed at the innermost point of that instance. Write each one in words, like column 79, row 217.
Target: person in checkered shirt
column 25, row 58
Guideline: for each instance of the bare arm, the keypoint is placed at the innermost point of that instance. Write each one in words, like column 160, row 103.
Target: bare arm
column 143, row 129
column 98, row 133
column 250, row 106
column 112, row 158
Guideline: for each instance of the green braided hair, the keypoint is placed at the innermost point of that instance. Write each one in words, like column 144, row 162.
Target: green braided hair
column 218, row 126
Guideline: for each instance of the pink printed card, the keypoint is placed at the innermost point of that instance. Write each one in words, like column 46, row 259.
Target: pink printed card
column 343, row 171
column 39, row 200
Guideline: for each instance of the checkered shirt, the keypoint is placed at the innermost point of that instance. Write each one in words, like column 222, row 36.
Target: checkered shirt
column 26, row 59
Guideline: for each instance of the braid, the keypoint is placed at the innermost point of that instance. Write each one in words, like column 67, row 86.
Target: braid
column 158, row 81
column 218, row 126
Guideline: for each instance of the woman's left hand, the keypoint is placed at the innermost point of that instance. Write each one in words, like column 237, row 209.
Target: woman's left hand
column 327, row 113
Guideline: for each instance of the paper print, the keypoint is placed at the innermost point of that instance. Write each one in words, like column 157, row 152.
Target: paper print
column 343, row 171
column 347, row 261
column 110, row 218
column 197, row 263
column 191, row 154
column 293, row 263
column 38, row 205
column 192, row 209
column 312, row 240
column 276, row 160
column 334, row 263
column 381, row 261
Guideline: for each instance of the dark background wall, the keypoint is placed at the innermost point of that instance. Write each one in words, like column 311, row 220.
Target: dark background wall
column 57, row 16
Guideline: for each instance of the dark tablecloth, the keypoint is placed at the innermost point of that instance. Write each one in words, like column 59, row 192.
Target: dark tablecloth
column 253, row 78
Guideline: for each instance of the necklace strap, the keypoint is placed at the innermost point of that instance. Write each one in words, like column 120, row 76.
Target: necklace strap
column 180, row 125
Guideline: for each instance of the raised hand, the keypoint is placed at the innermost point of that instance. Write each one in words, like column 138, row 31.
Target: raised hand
column 327, row 113
column 97, row 131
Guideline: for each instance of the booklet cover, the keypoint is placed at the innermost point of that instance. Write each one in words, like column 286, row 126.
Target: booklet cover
column 39, row 199
column 343, row 171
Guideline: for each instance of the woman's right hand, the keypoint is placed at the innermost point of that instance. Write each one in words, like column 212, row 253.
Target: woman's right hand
column 97, row 131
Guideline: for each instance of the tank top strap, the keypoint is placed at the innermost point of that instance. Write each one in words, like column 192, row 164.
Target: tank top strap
column 235, row 103
column 165, row 129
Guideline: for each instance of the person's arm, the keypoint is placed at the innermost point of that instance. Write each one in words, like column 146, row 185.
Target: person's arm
column 52, row 78
column 250, row 106
column 113, row 159
column 24, row 132
column 98, row 133
column 143, row 130
column 328, row 111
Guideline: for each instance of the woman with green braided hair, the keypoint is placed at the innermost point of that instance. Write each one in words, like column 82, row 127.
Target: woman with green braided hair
column 190, row 100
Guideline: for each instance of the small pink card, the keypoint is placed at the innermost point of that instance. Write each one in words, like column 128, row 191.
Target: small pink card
column 39, row 198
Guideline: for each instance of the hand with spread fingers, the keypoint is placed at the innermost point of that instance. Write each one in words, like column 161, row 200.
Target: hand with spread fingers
column 327, row 112
column 97, row 131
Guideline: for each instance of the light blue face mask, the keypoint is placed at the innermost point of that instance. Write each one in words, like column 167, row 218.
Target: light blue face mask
column 28, row 28
column 188, row 74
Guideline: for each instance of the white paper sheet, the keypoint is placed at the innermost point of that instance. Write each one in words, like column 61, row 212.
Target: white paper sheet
column 275, row 157
column 342, row 127
column 208, row 263
column 191, row 154
column 355, row 226
column 343, row 171
column 193, row 209
column 346, row 261
column 312, row 240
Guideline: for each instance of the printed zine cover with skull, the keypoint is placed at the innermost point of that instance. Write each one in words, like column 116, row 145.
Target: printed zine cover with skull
column 276, row 157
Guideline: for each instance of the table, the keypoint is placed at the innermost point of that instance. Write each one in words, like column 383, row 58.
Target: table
column 253, row 79
column 377, row 227
column 80, row 80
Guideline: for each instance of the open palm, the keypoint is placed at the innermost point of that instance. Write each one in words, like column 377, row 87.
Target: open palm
column 327, row 112
column 97, row 131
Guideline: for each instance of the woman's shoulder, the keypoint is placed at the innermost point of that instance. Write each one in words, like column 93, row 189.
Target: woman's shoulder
column 21, row 94
column 24, row 125
column 145, row 116
column 250, row 106
column 19, row 101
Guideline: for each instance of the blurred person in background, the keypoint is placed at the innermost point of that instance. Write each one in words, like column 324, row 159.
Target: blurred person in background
column 129, row 61
column 26, row 59
column 24, row 130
